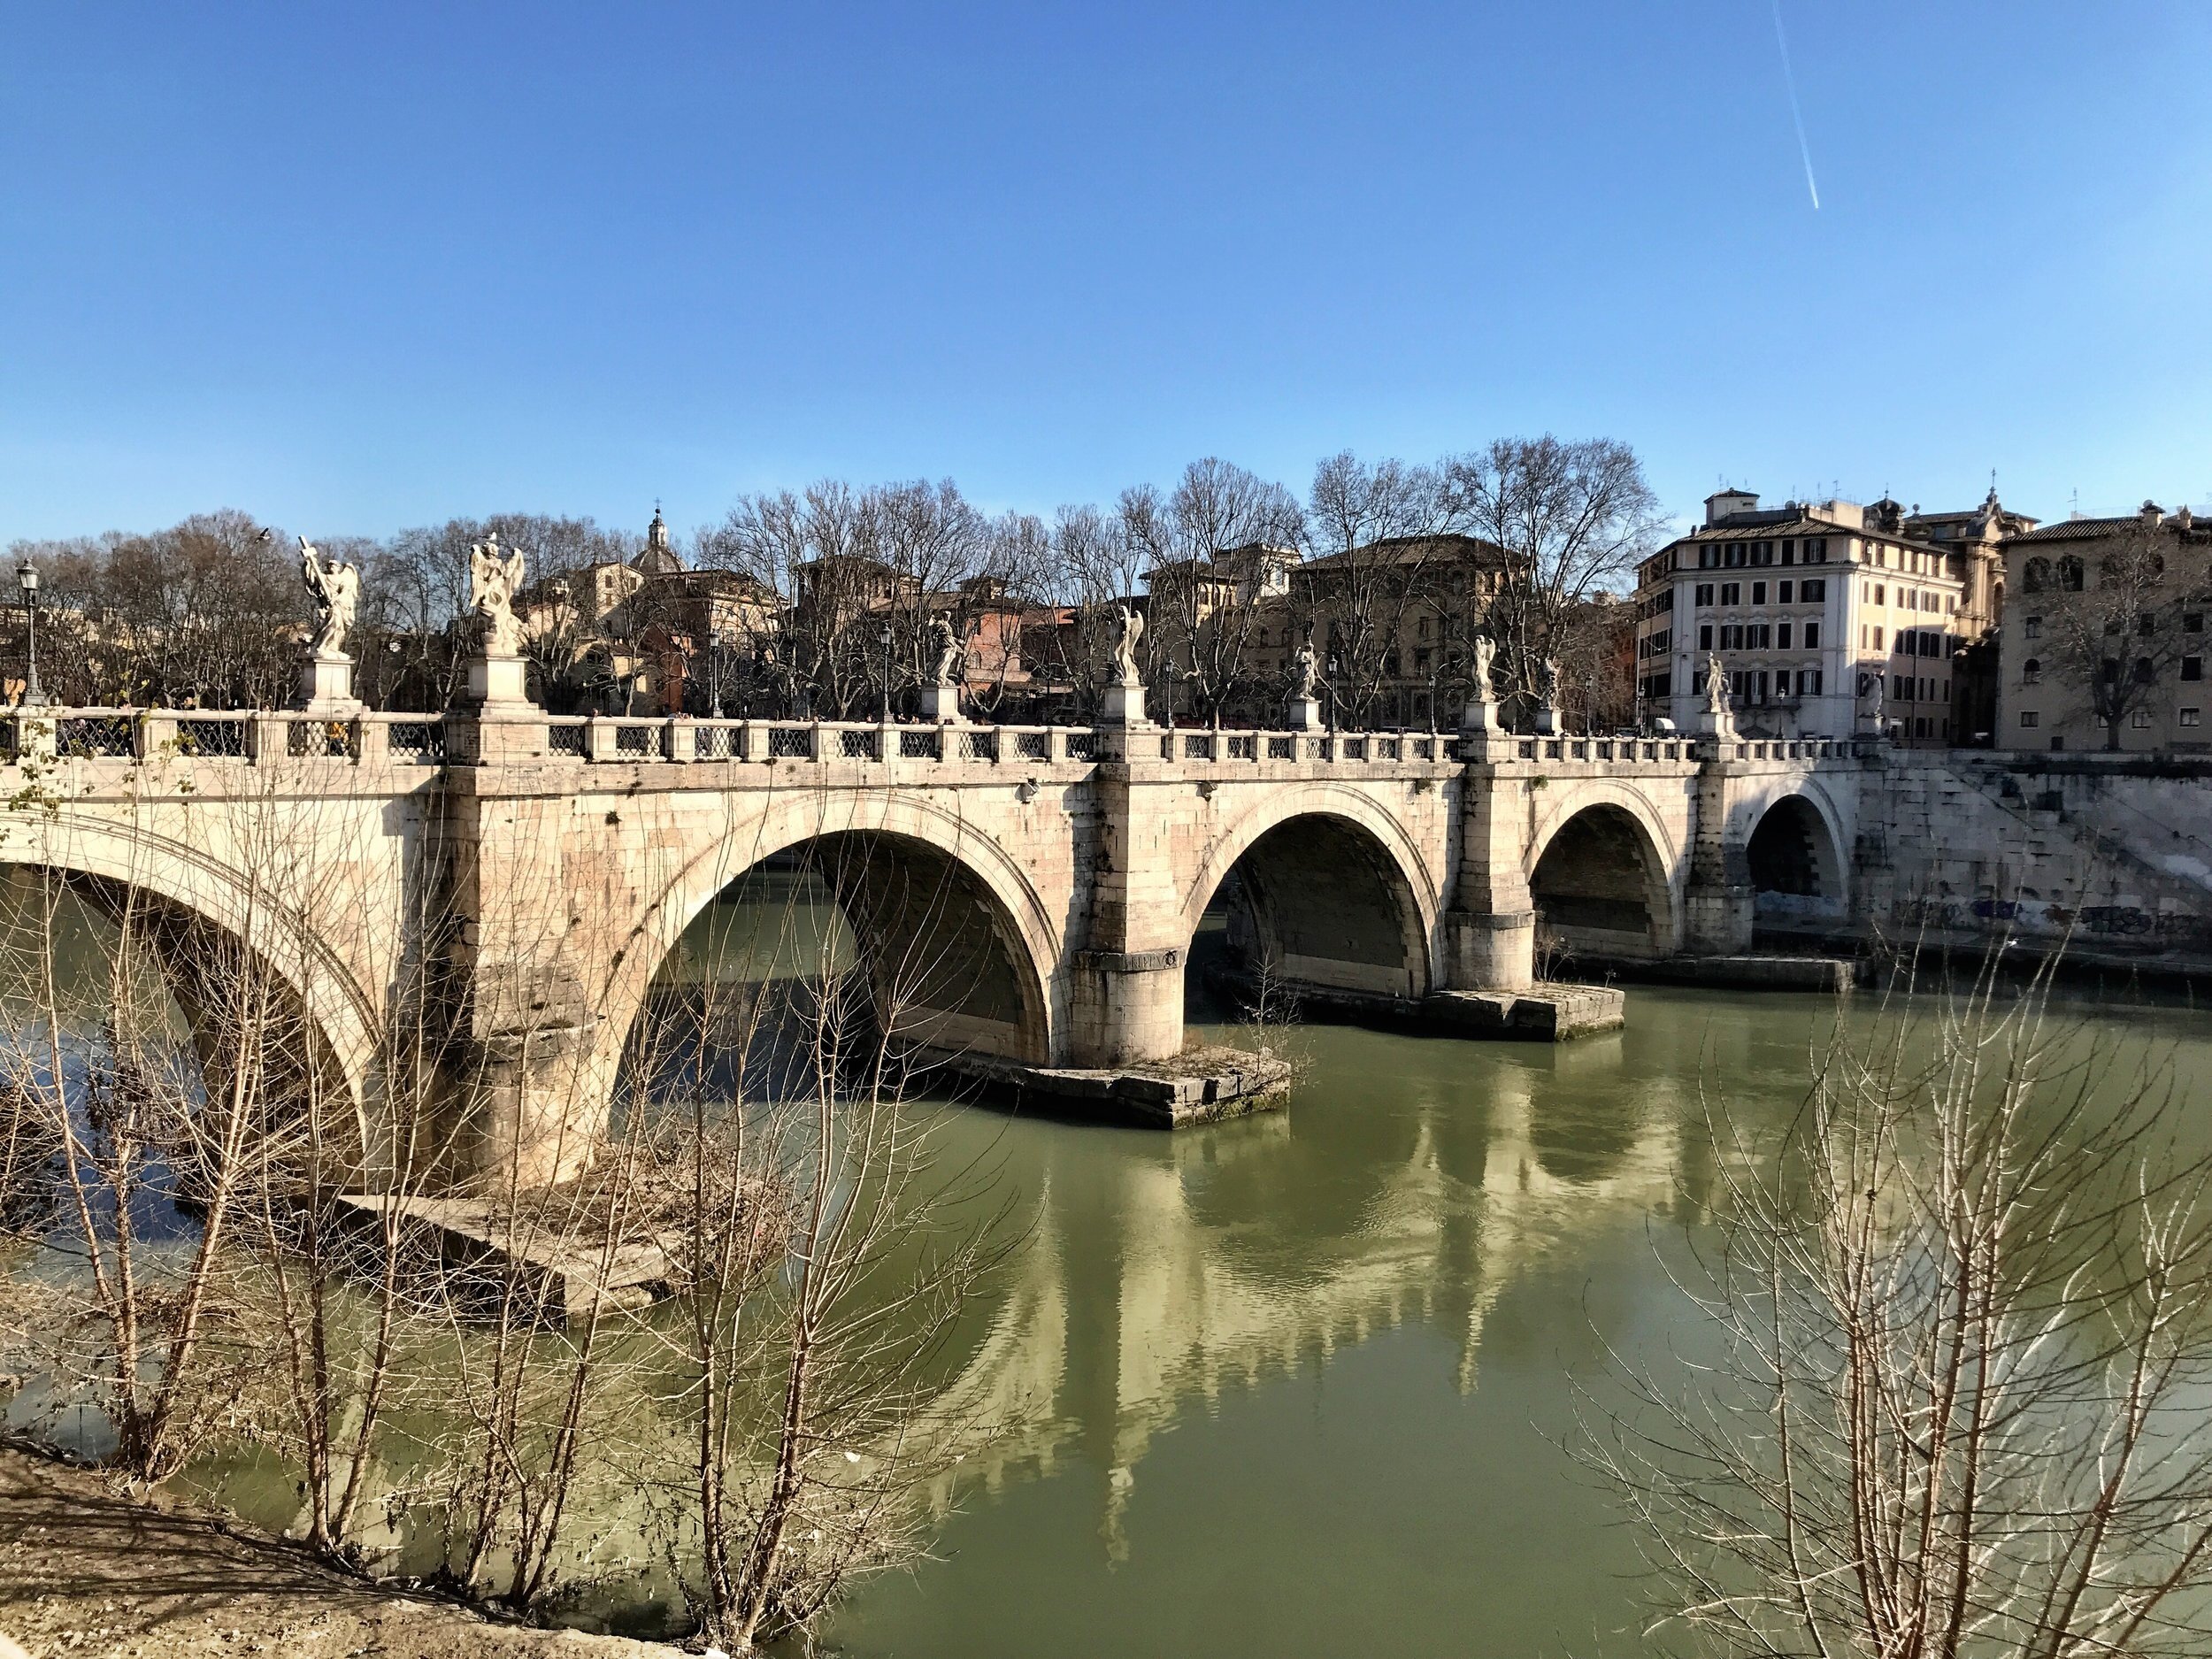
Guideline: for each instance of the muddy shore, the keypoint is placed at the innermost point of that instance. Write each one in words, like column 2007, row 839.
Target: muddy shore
column 85, row 1569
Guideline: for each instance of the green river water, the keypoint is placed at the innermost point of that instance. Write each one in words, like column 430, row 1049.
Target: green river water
column 1296, row 1383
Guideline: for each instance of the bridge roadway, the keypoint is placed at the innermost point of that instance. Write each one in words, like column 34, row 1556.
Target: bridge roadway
column 512, row 887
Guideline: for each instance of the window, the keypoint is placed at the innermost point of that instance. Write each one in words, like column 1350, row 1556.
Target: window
column 1808, row 682
column 1813, row 590
column 1732, row 636
column 2192, row 668
column 1789, row 551
column 2193, row 622
column 1420, row 659
column 1816, row 550
column 1812, row 636
column 1735, row 555
column 1705, row 593
column 1758, row 593
column 2030, row 720
column 2031, row 671
column 1781, row 594
column 2188, row 717
column 1762, row 637
column 2031, row 628
column 1707, row 557
column 2144, row 672
column 1877, row 639
column 2035, row 576
column 2070, row 574
column 1782, row 636
column 2147, row 624
column 2140, row 720
column 1705, row 638
column 1881, row 593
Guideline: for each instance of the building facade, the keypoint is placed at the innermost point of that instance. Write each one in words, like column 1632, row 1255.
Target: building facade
column 1829, row 618
column 2105, row 642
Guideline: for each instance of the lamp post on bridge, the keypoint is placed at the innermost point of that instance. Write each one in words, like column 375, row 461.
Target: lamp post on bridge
column 26, row 579
column 883, row 638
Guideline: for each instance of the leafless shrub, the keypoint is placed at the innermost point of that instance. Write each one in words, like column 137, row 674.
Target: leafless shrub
column 1954, row 1397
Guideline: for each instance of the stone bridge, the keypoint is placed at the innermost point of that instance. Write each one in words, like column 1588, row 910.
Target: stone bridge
column 517, row 887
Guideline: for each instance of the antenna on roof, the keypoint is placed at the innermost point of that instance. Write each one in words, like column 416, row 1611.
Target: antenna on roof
column 2076, row 499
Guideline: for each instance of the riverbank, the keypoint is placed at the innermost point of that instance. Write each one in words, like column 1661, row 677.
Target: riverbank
column 85, row 1568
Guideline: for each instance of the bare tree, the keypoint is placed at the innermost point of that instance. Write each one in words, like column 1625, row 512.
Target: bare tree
column 1204, row 616
column 2111, row 614
column 1379, row 564
column 1962, row 1326
column 1573, row 519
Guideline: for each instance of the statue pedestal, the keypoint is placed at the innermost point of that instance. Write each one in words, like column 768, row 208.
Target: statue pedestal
column 1716, row 723
column 1305, row 714
column 940, row 704
column 326, row 688
column 1124, row 706
column 1545, row 721
column 492, row 722
column 498, row 680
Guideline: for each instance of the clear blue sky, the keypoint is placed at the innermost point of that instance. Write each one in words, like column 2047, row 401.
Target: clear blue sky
column 351, row 268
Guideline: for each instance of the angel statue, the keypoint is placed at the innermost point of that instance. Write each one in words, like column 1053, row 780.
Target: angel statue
column 1129, row 631
column 1305, row 669
column 1485, row 649
column 494, row 578
column 335, row 586
column 1716, row 685
column 1547, row 682
column 948, row 643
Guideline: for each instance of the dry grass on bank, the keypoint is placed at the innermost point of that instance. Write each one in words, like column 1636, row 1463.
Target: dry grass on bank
column 85, row 1568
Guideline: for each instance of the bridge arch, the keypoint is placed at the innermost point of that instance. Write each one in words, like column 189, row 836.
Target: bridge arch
column 196, row 890
column 1796, row 860
column 1602, row 874
column 905, row 859
column 1329, row 886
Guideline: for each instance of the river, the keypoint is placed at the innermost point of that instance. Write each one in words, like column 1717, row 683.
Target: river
column 1298, row 1383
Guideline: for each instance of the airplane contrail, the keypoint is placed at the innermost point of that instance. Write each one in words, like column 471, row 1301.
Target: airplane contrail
column 1789, row 80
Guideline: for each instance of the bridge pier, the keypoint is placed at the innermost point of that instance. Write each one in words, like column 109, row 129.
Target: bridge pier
column 1127, row 998
column 1719, row 901
column 1490, row 930
column 529, row 1083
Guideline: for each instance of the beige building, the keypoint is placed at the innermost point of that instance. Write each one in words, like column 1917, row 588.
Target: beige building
column 1830, row 619
column 2077, row 583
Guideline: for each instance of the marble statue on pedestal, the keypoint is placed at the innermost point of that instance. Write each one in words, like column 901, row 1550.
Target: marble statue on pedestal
column 1129, row 630
column 949, row 647
column 325, row 685
column 336, row 587
column 493, row 580
column 1122, row 704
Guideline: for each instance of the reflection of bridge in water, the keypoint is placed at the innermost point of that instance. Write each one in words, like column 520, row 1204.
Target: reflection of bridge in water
column 1154, row 1285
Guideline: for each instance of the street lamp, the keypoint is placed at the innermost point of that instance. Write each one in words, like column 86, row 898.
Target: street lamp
column 26, row 579
column 883, row 638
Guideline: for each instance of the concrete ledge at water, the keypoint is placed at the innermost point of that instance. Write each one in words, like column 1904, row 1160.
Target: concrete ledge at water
column 1536, row 1013
column 1541, row 1013
column 1199, row 1088
column 1825, row 974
